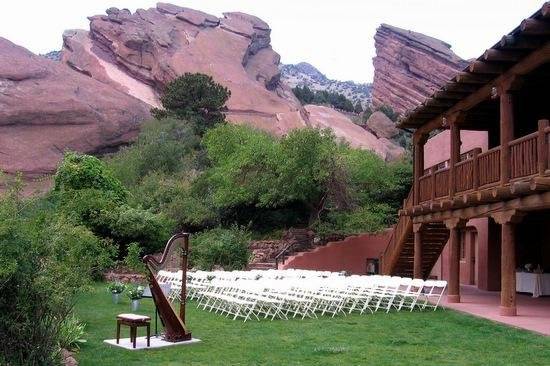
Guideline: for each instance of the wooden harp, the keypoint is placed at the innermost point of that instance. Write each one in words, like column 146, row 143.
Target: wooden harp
column 174, row 264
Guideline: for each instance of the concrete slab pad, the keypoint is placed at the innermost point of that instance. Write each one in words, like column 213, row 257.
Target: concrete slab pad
column 141, row 343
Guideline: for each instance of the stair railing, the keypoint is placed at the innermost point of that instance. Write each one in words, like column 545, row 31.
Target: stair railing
column 397, row 239
column 282, row 254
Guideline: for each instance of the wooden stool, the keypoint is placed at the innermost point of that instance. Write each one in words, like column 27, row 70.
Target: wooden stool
column 133, row 321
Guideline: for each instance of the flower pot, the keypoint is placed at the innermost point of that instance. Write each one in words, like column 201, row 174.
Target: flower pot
column 135, row 305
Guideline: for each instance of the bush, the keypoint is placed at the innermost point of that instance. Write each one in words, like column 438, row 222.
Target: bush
column 44, row 262
column 80, row 171
column 227, row 248
column 71, row 334
column 133, row 259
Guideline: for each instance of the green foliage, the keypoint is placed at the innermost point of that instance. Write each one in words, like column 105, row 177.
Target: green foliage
column 389, row 112
column 196, row 98
column 358, row 108
column 80, row 171
column 167, row 146
column 339, row 101
column 133, row 259
column 227, row 248
column 116, row 287
column 135, row 292
column 45, row 260
column 71, row 334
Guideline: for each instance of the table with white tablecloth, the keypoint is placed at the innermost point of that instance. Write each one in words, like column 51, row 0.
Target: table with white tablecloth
column 537, row 284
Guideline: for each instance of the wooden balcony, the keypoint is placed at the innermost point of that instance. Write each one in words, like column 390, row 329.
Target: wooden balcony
column 477, row 171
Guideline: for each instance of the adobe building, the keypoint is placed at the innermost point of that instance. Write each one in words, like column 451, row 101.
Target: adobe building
column 479, row 210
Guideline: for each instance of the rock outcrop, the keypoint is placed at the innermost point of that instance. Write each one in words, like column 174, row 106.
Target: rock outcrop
column 46, row 108
column 381, row 125
column 138, row 53
column 409, row 67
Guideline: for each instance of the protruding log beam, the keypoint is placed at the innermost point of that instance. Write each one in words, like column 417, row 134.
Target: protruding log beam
column 520, row 188
column 461, row 87
column 501, row 193
column 485, row 195
column 519, row 43
column 502, row 55
column 469, row 198
column 480, row 67
column 469, row 78
column 449, row 95
column 535, row 27
column 540, row 184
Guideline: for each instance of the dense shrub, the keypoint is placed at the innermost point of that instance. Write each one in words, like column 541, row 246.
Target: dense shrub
column 80, row 171
column 227, row 248
column 336, row 100
column 44, row 262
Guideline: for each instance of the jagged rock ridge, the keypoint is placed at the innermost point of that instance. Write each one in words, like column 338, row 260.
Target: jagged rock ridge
column 302, row 73
column 46, row 108
column 138, row 53
column 409, row 67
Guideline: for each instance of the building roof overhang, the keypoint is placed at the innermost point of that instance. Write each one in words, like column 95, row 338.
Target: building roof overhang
column 481, row 74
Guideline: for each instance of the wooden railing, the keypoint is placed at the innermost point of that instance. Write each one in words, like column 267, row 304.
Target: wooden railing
column 400, row 231
column 523, row 156
column 489, row 166
column 528, row 156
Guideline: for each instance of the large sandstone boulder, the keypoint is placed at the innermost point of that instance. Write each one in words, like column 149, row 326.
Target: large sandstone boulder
column 409, row 67
column 138, row 53
column 381, row 125
column 46, row 108
column 355, row 135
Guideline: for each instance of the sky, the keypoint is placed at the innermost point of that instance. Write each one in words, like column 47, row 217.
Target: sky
column 336, row 36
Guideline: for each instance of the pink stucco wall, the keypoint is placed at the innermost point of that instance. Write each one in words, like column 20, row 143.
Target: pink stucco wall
column 348, row 255
column 438, row 148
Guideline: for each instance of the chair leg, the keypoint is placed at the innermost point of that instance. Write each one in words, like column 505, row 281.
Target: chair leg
column 117, row 332
column 148, row 335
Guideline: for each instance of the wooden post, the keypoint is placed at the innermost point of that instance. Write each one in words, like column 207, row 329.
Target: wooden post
column 453, row 290
column 542, row 144
column 455, row 157
column 432, row 178
column 419, row 141
column 508, row 220
column 417, row 266
column 506, row 134
column 475, row 168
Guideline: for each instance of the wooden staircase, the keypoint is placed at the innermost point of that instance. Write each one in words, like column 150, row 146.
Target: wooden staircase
column 398, row 258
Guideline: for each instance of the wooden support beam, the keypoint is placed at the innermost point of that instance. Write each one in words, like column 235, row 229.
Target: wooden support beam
column 453, row 289
column 519, row 43
column 442, row 94
column 535, row 27
column 502, row 55
column 506, row 133
column 461, row 87
column 520, row 188
column 540, row 184
column 501, row 193
column 542, row 146
column 469, row 78
column 417, row 265
column 480, row 67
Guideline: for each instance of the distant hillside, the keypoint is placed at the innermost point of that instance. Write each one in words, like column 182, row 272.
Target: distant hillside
column 305, row 74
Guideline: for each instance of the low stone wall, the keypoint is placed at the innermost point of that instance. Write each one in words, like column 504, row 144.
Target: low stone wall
column 348, row 255
column 265, row 250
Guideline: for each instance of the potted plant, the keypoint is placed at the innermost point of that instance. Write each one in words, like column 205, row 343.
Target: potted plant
column 135, row 293
column 116, row 288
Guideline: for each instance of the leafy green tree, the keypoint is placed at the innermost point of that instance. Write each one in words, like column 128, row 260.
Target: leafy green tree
column 389, row 112
column 227, row 248
column 304, row 94
column 358, row 108
column 196, row 98
column 80, row 171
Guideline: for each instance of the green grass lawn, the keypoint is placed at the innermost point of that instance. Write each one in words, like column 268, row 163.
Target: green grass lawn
column 404, row 338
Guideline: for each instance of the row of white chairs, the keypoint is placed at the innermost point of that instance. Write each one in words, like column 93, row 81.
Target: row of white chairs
column 299, row 293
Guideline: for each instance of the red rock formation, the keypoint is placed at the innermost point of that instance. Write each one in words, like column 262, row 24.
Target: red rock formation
column 139, row 53
column 46, row 108
column 409, row 67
